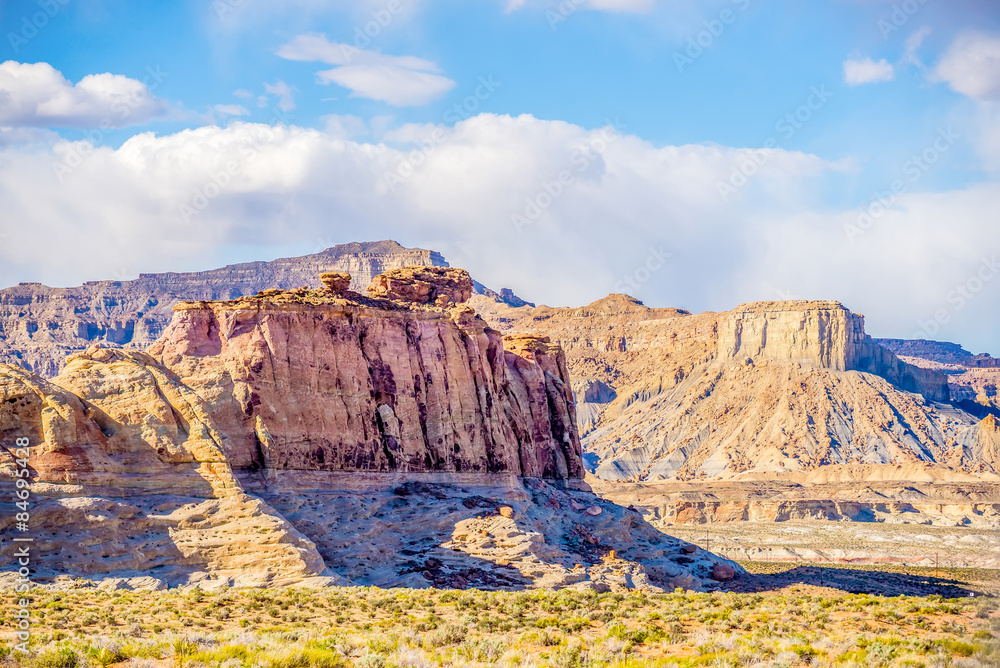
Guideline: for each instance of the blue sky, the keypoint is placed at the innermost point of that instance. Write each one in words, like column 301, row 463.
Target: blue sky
column 886, row 81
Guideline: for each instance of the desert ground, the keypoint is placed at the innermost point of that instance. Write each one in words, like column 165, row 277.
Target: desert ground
column 772, row 618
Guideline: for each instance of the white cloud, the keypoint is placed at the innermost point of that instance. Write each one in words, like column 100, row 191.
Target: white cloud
column 866, row 70
column 913, row 44
column 231, row 110
column 402, row 81
column 284, row 93
column 344, row 126
column 38, row 95
column 971, row 66
column 293, row 185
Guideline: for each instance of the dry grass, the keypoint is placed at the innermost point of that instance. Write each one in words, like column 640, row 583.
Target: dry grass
column 404, row 628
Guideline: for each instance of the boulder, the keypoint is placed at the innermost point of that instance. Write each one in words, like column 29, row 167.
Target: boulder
column 336, row 282
column 423, row 285
column 723, row 572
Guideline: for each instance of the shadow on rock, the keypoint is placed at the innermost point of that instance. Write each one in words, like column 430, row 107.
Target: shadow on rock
column 491, row 533
column 856, row 581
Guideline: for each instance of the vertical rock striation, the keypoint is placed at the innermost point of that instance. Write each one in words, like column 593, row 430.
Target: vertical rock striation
column 824, row 334
column 314, row 381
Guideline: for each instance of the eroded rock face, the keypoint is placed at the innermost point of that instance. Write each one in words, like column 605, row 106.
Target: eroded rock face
column 824, row 334
column 170, row 536
column 423, row 285
column 260, row 437
column 335, row 281
column 765, row 389
column 314, row 383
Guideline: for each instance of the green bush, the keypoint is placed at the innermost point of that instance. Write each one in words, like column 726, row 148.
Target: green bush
column 958, row 647
column 63, row 657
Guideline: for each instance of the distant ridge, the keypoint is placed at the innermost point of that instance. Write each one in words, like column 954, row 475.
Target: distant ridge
column 40, row 325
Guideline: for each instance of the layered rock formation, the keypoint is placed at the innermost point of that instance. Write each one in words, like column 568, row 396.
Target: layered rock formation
column 40, row 326
column 172, row 460
column 310, row 380
column 823, row 334
column 767, row 388
column 423, row 285
column 972, row 379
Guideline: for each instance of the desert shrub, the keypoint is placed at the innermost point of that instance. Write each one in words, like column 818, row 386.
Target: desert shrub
column 312, row 657
column 958, row 647
column 450, row 634
column 62, row 657
column 880, row 654
column 571, row 656
column 370, row 661
column 483, row 651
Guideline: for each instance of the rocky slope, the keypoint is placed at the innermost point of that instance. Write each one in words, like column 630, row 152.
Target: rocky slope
column 392, row 439
column 765, row 389
column 972, row 379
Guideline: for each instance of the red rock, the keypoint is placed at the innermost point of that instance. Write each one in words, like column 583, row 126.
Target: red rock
column 335, row 281
column 423, row 285
column 299, row 381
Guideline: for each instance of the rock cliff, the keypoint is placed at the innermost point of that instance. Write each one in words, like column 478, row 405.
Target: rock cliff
column 766, row 388
column 316, row 381
column 258, row 438
column 823, row 334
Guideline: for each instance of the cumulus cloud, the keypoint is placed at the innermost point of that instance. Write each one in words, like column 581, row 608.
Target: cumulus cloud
column 38, row 95
column 971, row 66
column 866, row 70
column 401, row 81
column 562, row 214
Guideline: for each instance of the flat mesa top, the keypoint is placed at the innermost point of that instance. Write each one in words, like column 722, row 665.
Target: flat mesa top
column 791, row 305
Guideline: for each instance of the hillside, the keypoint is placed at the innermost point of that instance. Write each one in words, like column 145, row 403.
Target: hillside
column 972, row 379
column 763, row 390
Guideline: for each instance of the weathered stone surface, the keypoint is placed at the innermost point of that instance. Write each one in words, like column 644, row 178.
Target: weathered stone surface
column 167, row 537
column 768, row 388
column 157, row 428
column 300, row 381
column 723, row 572
column 335, row 281
column 449, row 531
column 423, row 285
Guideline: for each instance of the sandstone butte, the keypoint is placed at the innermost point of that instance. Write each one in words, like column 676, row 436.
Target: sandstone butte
column 762, row 392
column 323, row 436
